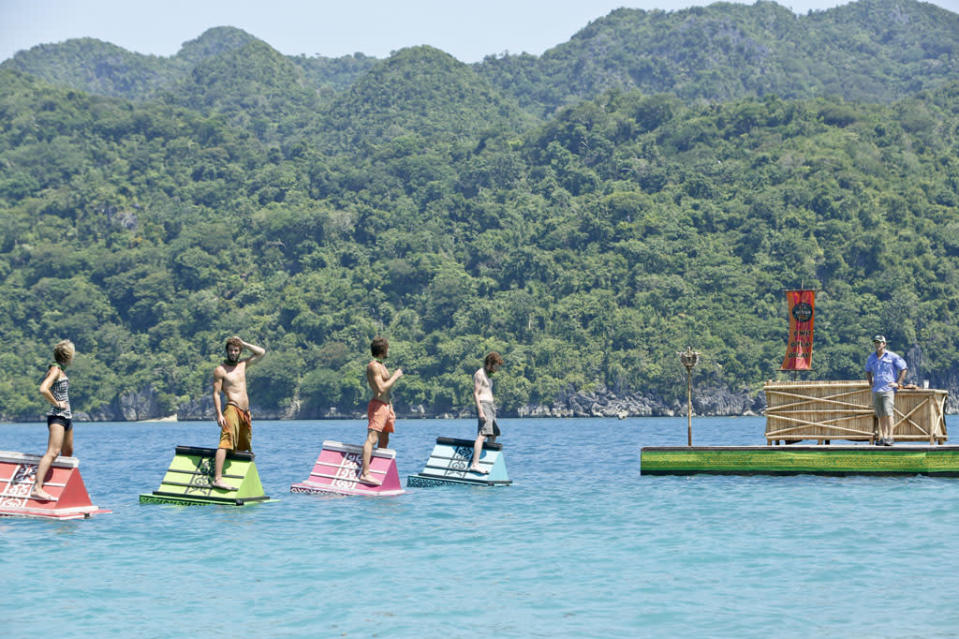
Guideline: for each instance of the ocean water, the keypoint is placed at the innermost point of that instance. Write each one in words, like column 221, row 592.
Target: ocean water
column 580, row 545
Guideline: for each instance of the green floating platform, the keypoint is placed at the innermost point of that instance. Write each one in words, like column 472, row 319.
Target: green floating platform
column 189, row 480
column 800, row 460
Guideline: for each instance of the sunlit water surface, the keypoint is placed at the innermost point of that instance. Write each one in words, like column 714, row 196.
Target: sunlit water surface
column 580, row 545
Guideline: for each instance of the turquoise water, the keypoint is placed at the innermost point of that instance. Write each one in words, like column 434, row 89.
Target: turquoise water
column 580, row 545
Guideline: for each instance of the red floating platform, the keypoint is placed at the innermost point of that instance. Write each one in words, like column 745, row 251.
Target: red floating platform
column 337, row 470
column 18, row 472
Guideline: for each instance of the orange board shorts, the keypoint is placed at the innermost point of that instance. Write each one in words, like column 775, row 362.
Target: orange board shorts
column 237, row 432
column 381, row 416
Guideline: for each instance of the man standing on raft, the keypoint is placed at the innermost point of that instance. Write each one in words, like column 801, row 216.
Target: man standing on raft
column 235, row 422
column 485, row 408
column 380, row 409
column 884, row 371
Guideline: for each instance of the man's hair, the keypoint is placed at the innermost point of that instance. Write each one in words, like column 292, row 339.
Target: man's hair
column 63, row 352
column 493, row 358
column 233, row 341
column 379, row 346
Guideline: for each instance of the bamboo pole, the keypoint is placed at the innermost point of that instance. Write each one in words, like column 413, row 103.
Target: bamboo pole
column 689, row 357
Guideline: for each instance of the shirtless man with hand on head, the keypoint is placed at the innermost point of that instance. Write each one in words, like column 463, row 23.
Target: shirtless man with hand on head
column 235, row 421
column 380, row 409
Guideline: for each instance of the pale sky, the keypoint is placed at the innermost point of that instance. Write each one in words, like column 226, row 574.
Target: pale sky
column 468, row 30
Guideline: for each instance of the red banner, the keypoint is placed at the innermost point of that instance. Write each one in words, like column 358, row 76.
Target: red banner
column 802, row 315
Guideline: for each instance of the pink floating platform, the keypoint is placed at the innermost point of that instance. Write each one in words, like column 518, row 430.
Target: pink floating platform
column 337, row 470
column 18, row 472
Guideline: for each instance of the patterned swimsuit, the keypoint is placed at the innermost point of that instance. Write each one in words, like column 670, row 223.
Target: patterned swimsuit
column 61, row 392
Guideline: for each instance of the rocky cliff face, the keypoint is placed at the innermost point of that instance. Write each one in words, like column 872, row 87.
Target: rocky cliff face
column 202, row 409
column 144, row 405
column 604, row 403
column 129, row 406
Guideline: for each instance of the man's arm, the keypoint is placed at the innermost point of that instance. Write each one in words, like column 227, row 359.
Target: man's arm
column 902, row 375
column 477, row 388
column 217, row 387
column 378, row 380
column 46, row 385
column 258, row 352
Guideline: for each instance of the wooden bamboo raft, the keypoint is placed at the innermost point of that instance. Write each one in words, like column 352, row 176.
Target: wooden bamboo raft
column 843, row 410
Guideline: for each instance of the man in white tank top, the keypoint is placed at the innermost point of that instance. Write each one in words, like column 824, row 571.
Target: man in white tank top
column 485, row 409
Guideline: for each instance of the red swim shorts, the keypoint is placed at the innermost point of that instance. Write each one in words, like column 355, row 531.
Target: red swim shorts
column 381, row 416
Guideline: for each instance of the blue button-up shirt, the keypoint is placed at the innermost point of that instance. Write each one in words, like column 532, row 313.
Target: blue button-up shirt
column 885, row 370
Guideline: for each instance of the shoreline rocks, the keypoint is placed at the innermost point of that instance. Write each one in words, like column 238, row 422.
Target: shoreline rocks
column 605, row 403
column 145, row 405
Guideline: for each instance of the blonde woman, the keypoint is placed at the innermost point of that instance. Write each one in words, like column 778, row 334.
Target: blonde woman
column 55, row 388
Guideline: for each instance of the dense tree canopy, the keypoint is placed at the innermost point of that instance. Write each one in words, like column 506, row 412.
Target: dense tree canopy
column 421, row 203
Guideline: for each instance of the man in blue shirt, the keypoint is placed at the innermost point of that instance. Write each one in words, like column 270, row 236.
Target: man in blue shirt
column 884, row 371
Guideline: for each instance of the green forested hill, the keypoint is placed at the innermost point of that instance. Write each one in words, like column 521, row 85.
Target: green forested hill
column 419, row 201
column 96, row 67
column 105, row 69
column 418, row 98
column 253, row 86
column 870, row 50
column 588, row 249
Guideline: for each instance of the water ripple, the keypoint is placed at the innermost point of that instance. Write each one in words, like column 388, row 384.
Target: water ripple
column 580, row 545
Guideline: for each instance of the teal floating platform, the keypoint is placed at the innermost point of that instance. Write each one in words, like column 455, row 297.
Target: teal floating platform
column 189, row 480
column 801, row 460
column 450, row 459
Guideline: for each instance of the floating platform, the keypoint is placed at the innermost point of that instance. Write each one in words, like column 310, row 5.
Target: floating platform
column 799, row 460
column 189, row 480
column 18, row 473
column 450, row 459
column 337, row 471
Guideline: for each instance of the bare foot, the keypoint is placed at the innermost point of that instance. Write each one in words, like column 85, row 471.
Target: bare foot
column 41, row 495
column 222, row 485
column 369, row 481
column 477, row 469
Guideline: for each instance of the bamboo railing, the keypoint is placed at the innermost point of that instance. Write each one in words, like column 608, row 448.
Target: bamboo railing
column 843, row 410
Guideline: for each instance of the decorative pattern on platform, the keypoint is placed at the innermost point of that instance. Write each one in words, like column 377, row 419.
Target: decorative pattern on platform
column 189, row 479
column 797, row 460
column 337, row 471
column 450, row 459
column 843, row 410
column 18, row 473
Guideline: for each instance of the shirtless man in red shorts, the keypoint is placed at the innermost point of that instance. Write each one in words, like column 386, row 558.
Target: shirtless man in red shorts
column 235, row 423
column 380, row 410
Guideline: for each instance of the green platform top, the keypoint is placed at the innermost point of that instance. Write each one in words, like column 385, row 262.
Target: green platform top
column 796, row 460
column 189, row 479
